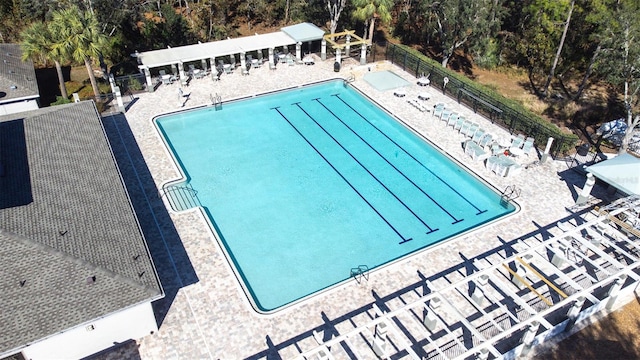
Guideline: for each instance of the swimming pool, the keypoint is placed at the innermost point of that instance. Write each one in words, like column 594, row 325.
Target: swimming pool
column 304, row 186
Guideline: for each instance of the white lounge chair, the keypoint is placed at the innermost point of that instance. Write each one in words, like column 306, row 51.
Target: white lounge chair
column 527, row 146
column 445, row 114
column 464, row 128
column 517, row 141
column 472, row 130
column 438, row 109
column 453, row 118
column 475, row 151
column 486, row 140
column 478, row 135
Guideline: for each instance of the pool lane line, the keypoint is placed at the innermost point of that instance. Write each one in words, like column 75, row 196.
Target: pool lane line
column 455, row 221
column 343, row 177
column 416, row 160
column 367, row 170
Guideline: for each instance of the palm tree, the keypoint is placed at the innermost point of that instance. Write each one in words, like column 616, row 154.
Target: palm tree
column 37, row 43
column 369, row 10
column 78, row 34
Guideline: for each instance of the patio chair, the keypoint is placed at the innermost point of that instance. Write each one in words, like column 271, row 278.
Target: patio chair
column 453, row 118
column 486, row 140
column 475, row 151
column 461, row 119
column 464, row 128
column 437, row 109
column 527, row 146
column 445, row 115
column 166, row 79
column 517, row 141
column 478, row 135
column 220, row 71
column 471, row 130
column 496, row 149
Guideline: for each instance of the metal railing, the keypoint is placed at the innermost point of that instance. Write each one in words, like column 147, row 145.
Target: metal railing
column 497, row 110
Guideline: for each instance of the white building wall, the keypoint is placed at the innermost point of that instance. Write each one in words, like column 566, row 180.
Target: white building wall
column 82, row 341
column 20, row 106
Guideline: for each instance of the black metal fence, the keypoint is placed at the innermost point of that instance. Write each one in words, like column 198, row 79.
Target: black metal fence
column 494, row 108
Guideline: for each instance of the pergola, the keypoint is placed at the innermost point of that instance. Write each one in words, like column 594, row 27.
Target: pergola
column 176, row 57
column 338, row 47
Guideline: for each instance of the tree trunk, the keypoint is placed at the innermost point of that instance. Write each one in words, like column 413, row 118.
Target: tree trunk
column 545, row 89
column 92, row 77
column 372, row 25
column 286, row 11
column 63, row 87
column 587, row 74
column 632, row 123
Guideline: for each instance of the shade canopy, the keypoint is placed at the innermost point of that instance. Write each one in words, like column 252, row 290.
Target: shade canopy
column 303, row 32
column 289, row 35
column 621, row 172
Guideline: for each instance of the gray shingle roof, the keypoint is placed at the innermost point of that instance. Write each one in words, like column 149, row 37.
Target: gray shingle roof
column 65, row 217
column 17, row 77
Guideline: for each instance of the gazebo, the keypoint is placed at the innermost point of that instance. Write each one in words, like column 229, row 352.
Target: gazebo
column 176, row 57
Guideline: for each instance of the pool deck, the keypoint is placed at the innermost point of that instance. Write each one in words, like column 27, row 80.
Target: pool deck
column 211, row 318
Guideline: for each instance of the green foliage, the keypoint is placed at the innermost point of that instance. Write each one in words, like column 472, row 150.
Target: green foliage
column 487, row 54
column 134, row 84
column 61, row 100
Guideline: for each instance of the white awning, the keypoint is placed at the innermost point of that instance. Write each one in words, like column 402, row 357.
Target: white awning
column 294, row 34
column 621, row 172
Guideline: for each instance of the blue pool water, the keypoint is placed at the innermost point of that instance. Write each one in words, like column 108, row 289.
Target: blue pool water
column 304, row 185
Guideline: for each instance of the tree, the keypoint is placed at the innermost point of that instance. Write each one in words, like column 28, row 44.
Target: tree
column 459, row 23
column 37, row 42
column 621, row 60
column 544, row 24
column 78, row 34
column 552, row 71
column 335, row 9
column 368, row 10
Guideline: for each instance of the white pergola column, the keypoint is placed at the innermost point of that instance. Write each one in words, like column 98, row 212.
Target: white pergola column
column 545, row 155
column 182, row 77
column 271, row 50
column 363, row 54
column 323, row 49
column 299, row 51
column 586, row 190
column 347, row 50
column 338, row 58
column 214, row 70
column 116, row 90
column 243, row 61
column 147, row 76
column 204, row 64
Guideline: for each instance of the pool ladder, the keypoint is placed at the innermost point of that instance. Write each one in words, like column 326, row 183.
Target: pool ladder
column 510, row 193
column 216, row 101
column 360, row 273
